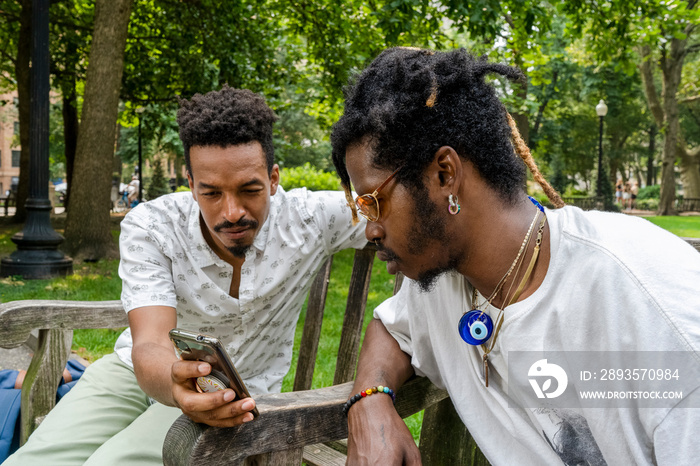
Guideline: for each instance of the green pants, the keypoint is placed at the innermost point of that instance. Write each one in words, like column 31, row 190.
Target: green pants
column 106, row 419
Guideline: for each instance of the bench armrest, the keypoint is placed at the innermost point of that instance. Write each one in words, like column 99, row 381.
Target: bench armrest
column 287, row 421
column 19, row 318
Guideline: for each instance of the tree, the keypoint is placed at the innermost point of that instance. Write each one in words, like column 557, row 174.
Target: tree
column 87, row 232
column 158, row 185
column 656, row 36
column 15, row 57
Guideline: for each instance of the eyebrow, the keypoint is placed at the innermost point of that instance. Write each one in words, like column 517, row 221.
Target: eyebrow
column 254, row 181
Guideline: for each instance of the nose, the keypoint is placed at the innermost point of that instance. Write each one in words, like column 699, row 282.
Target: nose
column 374, row 232
column 233, row 209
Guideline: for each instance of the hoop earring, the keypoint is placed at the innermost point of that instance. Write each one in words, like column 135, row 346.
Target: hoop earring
column 453, row 207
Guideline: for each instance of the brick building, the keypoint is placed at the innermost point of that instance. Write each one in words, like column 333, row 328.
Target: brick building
column 9, row 143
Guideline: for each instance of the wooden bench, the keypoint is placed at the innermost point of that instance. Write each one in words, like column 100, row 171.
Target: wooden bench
column 304, row 423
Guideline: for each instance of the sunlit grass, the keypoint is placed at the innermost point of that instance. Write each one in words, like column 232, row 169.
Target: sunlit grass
column 687, row 227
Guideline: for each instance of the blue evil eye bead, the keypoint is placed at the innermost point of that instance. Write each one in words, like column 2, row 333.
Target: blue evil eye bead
column 475, row 327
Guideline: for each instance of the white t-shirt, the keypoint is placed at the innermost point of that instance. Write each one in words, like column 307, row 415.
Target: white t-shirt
column 614, row 283
column 165, row 261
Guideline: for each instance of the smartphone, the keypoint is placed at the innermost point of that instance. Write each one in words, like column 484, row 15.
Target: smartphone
column 192, row 346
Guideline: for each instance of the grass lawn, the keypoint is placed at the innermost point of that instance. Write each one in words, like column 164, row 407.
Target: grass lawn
column 100, row 281
column 687, row 227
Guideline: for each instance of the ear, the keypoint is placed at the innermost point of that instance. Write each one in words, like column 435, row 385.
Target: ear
column 274, row 179
column 447, row 169
column 190, row 182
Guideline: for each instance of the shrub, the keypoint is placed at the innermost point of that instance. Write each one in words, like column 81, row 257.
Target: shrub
column 650, row 192
column 647, row 204
column 308, row 177
column 182, row 188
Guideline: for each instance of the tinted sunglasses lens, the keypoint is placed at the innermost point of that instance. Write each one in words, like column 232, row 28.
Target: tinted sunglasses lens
column 367, row 206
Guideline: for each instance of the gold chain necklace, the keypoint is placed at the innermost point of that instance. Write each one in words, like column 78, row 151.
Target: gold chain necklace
column 508, row 302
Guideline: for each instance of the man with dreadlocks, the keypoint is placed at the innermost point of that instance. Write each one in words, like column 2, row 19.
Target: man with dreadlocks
column 233, row 259
column 437, row 163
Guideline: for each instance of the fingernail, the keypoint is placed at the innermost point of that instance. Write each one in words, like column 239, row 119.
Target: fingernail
column 203, row 368
column 248, row 405
column 229, row 395
column 248, row 417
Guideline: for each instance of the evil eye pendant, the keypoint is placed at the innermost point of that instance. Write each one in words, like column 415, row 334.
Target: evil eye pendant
column 475, row 327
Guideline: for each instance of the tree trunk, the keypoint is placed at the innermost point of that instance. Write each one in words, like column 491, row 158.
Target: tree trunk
column 651, row 171
column 88, row 233
column 690, row 172
column 70, row 120
column 24, row 51
column 672, row 65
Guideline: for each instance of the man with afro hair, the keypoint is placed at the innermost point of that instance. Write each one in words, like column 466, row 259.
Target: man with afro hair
column 512, row 307
column 234, row 258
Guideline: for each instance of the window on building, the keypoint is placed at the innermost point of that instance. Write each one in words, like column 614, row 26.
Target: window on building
column 15, row 158
column 16, row 127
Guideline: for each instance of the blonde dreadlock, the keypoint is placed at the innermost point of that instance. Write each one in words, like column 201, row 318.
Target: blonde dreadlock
column 524, row 153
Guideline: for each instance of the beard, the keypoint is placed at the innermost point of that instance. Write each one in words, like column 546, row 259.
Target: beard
column 430, row 227
column 237, row 250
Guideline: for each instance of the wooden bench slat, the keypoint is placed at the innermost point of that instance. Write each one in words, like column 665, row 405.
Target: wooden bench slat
column 19, row 318
column 287, row 421
column 354, row 315
column 312, row 328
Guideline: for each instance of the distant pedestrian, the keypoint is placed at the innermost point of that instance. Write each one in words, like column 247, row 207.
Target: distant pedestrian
column 634, row 191
column 618, row 191
column 133, row 190
column 626, row 195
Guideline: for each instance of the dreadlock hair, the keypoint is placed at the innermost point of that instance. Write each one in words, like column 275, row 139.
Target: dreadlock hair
column 410, row 102
column 225, row 118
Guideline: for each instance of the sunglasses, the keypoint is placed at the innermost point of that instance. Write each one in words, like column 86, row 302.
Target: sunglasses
column 368, row 204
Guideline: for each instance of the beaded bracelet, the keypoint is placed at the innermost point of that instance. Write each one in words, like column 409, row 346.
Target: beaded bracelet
column 370, row 391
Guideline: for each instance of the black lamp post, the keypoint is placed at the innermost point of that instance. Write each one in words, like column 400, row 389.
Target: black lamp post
column 601, row 109
column 140, row 111
column 37, row 254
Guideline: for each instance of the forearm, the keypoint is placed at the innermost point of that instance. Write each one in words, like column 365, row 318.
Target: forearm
column 153, row 366
column 381, row 360
column 376, row 433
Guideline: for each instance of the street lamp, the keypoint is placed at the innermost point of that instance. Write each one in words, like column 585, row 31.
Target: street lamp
column 37, row 254
column 140, row 111
column 601, row 109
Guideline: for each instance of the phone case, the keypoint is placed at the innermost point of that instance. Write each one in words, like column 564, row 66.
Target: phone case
column 192, row 346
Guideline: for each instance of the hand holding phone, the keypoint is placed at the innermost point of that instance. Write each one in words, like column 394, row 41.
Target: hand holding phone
column 212, row 410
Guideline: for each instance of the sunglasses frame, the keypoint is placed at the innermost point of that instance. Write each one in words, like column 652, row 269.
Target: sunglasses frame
column 374, row 198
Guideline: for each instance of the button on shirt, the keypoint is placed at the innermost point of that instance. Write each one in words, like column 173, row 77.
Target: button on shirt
column 165, row 261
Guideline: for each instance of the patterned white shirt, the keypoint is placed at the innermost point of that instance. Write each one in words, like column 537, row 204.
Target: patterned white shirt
column 165, row 261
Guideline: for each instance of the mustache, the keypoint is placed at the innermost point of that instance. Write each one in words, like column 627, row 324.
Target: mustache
column 242, row 223
column 391, row 255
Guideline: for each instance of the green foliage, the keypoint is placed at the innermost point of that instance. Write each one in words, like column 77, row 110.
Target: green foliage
column 158, row 185
column 308, row 177
column 647, row 204
column 649, row 192
column 181, row 189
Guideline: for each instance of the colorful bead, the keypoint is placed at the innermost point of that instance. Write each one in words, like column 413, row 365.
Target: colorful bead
column 365, row 393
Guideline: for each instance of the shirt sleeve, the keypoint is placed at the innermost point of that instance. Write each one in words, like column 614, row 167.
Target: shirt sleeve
column 394, row 314
column 332, row 215
column 145, row 269
column 673, row 441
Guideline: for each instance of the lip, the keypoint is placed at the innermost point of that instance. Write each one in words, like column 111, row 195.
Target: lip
column 382, row 256
column 235, row 234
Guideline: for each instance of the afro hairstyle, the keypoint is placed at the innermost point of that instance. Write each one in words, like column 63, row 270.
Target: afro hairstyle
column 225, row 118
